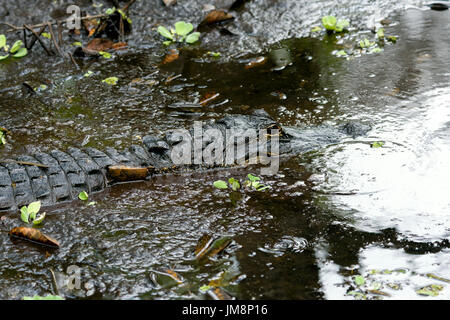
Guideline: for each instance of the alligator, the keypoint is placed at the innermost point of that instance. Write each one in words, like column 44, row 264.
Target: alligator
column 57, row 177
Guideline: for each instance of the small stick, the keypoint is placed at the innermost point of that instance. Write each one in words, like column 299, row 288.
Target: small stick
column 40, row 40
column 59, row 32
column 73, row 60
column 26, row 163
column 54, row 39
column 55, row 282
column 33, row 40
column 25, row 38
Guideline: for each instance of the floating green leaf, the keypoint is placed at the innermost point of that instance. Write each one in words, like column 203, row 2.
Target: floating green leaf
column 105, row 54
column 39, row 219
column 21, row 53
column 253, row 178
column 92, row 203
column 341, row 25
column 182, row 28
column 205, row 288
column 214, row 54
column 16, row 46
column 341, row 53
column 33, row 209
column 2, row 137
column 392, row 39
column 83, row 195
column 376, row 50
column 4, row 57
column 165, row 33
column 359, row 280
column 380, row 33
column 2, row 41
column 110, row 11
column 316, row 29
column 220, row 184
column 329, row 22
column 111, row 80
column 365, row 43
column 377, row 144
column 24, row 214
column 234, row 184
column 193, row 37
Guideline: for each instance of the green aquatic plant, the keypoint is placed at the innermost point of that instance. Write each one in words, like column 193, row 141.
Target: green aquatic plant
column 331, row 24
column 181, row 33
column 2, row 137
column 83, row 196
column 28, row 214
column 252, row 182
column 16, row 50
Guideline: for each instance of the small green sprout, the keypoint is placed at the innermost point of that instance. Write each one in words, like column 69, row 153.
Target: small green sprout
column 316, row 29
column 46, row 35
column 181, row 33
column 392, row 39
column 2, row 137
column 28, row 214
column 365, row 43
column 377, row 144
column 16, row 50
column 341, row 53
column 111, row 80
column 213, row 54
column 88, row 74
column 77, row 44
column 359, row 280
column 380, row 34
column 105, row 54
column 220, row 184
column 83, row 196
column 331, row 24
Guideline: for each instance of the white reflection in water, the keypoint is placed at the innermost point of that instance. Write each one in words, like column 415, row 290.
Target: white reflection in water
column 406, row 183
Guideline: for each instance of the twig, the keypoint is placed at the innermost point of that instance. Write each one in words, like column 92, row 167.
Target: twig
column 54, row 39
column 59, row 32
column 33, row 40
column 40, row 40
column 55, row 282
column 128, row 5
column 73, row 60
column 25, row 38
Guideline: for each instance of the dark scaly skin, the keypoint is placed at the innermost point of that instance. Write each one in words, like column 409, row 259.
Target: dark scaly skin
column 76, row 170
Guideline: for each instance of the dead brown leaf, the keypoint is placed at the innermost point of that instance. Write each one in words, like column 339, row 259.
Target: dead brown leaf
column 216, row 16
column 168, row 3
column 171, row 56
column 33, row 235
column 123, row 173
column 99, row 44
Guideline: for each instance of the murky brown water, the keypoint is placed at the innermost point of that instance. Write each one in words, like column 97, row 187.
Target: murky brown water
column 331, row 214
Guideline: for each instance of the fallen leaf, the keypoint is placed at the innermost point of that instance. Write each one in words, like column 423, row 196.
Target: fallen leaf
column 119, row 45
column 123, row 173
column 90, row 25
column 99, row 44
column 33, row 235
column 171, row 56
column 216, row 16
